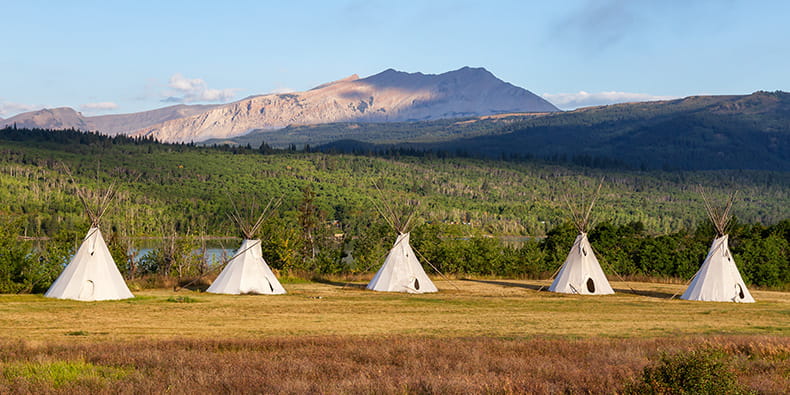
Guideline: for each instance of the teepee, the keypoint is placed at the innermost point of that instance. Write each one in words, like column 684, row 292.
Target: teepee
column 247, row 271
column 401, row 271
column 581, row 273
column 92, row 274
column 718, row 279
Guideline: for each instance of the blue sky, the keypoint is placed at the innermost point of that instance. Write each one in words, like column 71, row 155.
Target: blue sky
column 104, row 57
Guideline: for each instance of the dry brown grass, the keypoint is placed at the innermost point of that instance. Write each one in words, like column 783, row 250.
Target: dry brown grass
column 495, row 336
column 388, row 364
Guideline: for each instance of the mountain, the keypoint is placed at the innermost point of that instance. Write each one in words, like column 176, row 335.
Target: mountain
column 390, row 96
column 126, row 123
column 68, row 118
column 694, row 133
column 49, row 118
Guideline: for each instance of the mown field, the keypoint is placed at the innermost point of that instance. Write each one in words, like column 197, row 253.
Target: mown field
column 495, row 336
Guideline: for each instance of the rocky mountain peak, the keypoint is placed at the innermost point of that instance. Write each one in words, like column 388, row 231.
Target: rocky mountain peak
column 389, row 96
column 352, row 77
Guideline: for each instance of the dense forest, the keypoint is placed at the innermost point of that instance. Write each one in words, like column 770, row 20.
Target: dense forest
column 650, row 223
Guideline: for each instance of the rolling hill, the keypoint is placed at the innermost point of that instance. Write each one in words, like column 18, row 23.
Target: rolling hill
column 379, row 132
column 699, row 132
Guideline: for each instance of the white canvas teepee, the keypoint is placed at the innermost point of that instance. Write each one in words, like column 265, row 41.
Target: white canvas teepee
column 402, row 272
column 718, row 279
column 247, row 272
column 92, row 274
column 581, row 273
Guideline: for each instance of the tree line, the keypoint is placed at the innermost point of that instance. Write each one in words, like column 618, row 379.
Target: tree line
column 180, row 194
column 309, row 250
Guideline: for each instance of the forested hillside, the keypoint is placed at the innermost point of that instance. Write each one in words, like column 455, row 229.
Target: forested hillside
column 695, row 133
column 182, row 190
column 379, row 133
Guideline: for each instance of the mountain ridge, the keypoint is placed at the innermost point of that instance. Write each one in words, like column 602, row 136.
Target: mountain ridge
column 389, row 96
column 69, row 118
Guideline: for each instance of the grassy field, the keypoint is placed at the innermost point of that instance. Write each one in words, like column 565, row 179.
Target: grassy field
column 500, row 308
column 493, row 336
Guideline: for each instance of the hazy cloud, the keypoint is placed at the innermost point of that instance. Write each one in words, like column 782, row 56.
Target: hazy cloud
column 190, row 90
column 598, row 24
column 595, row 25
column 8, row 109
column 101, row 106
column 570, row 101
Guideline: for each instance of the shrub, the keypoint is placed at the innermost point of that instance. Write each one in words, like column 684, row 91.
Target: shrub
column 703, row 371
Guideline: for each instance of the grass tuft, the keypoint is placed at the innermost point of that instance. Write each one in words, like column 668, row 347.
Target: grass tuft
column 182, row 299
column 60, row 373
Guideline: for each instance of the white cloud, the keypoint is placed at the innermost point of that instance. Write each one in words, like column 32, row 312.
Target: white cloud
column 570, row 101
column 190, row 90
column 283, row 90
column 8, row 109
column 101, row 106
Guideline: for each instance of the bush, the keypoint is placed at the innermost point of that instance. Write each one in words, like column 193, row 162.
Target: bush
column 702, row 371
column 24, row 268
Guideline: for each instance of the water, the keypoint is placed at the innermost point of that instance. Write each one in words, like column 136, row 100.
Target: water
column 217, row 251
column 212, row 256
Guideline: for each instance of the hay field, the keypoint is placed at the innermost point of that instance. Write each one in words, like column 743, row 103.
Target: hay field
column 475, row 336
column 498, row 308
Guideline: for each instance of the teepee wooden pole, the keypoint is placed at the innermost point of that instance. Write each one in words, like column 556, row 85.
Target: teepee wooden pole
column 394, row 219
column 611, row 267
column 574, row 217
column 720, row 219
column 434, row 268
column 592, row 204
column 551, row 278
